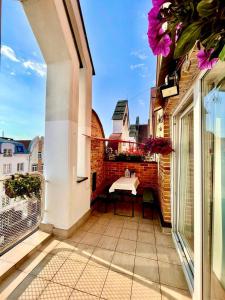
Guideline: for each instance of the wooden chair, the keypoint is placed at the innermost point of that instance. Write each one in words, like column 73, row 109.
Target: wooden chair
column 148, row 200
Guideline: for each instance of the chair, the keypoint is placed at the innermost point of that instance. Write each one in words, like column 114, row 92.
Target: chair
column 104, row 197
column 148, row 200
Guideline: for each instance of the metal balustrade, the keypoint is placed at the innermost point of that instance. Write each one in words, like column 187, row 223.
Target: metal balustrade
column 18, row 216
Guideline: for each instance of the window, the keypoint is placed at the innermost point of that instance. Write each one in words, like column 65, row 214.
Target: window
column 34, row 168
column 7, row 152
column 7, row 169
column 185, row 222
column 213, row 116
column 20, row 167
column 39, row 155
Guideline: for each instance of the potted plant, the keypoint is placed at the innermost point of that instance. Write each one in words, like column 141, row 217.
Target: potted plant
column 159, row 146
column 23, row 186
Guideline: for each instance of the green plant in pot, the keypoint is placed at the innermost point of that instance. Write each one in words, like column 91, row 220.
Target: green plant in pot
column 23, row 186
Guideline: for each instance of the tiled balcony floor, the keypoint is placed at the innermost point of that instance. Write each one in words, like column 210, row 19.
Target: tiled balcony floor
column 109, row 257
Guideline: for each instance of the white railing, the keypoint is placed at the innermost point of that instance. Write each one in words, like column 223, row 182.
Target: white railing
column 19, row 216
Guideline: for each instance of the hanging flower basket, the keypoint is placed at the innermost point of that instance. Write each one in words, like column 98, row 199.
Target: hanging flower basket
column 185, row 23
column 159, row 146
column 23, row 186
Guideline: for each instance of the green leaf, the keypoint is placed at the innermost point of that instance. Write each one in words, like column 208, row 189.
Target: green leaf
column 222, row 54
column 188, row 39
column 206, row 8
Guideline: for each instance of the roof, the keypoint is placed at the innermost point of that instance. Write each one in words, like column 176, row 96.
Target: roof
column 26, row 143
column 120, row 109
column 19, row 147
column 115, row 136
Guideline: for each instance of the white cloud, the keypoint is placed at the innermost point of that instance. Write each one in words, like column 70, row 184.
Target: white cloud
column 141, row 102
column 9, row 53
column 39, row 68
column 137, row 66
column 139, row 54
column 12, row 73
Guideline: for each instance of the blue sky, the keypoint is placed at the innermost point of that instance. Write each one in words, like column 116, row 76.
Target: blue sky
column 125, row 67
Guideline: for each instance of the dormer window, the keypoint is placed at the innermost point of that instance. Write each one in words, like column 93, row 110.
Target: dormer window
column 19, row 149
column 7, row 152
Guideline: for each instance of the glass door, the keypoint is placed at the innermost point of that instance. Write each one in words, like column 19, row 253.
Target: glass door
column 185, row 216
column 214, row 184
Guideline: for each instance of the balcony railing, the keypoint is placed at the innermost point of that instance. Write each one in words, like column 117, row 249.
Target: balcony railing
column 19, row 216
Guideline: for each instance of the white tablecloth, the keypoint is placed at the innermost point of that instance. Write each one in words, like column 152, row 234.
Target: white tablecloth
column 127, row 184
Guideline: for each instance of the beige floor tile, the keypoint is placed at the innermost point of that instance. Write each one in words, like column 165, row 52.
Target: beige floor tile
column 96, row 228
column 82, row 253
column 128, row 234
column 56, row 291
column 101, row 258
column 64, row 248
column 116, row 223
column 8, row 285
column 93, row 219
column 103, row 221
column 92, row 280
column 117, row 286
column 48, row 267
column 146, row 237
column 113, row 231
column 123, row 262
column 146, row 221
column 146, row 269
column 145, row 290
column 31, row 262
column 146, row 250
column 146, row 227
column 37, row 238
column 91, row 239
column 108, row 242
column 17, row 253
column 30, row 289
column 164, row 240
column 69, row 273
column 78, row 236
column 87, row 225
column 130, row 225
column 171, row 293
column 5, row 267
column 49, row 246
column 172, row 275
column 78, row 295
column 126, row 246
column 168, row 255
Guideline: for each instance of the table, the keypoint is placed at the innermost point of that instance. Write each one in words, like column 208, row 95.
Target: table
column 126, row 184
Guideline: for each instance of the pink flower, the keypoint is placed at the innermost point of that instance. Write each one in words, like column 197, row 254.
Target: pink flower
column 204, row 62
column 153, row 16
column 158, row 2
column 159, row 42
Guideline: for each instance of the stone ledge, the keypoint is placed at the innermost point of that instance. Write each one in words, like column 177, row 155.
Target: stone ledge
column 18, row 254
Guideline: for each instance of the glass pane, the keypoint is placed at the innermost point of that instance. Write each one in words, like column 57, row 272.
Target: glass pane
column 214, row 185
column 186, row 183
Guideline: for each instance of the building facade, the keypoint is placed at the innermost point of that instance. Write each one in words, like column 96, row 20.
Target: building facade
column 191, row 179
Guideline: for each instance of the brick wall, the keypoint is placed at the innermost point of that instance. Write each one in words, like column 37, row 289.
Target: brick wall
column 187, row 79
column 146, row 172
column 97, row 154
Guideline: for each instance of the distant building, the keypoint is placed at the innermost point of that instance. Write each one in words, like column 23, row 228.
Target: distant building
column 122, row 130
column 139, row 132
column 121, row 126
column 21, row 156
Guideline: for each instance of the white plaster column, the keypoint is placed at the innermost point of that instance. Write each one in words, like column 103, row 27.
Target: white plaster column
column 50, row 26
